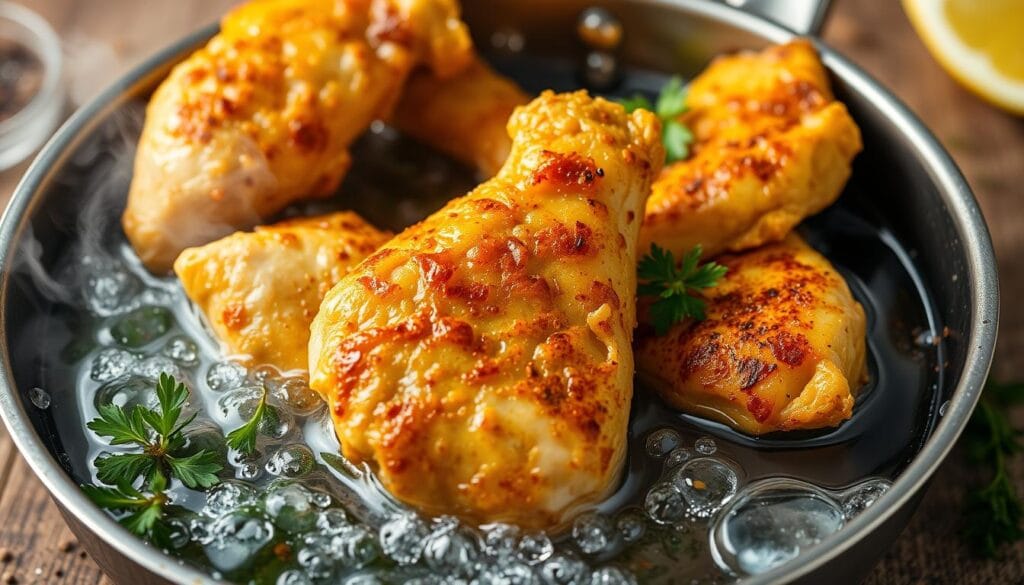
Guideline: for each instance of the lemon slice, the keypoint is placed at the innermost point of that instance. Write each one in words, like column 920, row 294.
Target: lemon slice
column 980, row 43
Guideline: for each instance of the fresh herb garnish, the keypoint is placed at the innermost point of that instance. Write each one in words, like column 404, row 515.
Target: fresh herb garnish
column 145, row 511
column 993, row 513
column 159, row 434
column 243, row 438
column 671, row 104
column 672, row 286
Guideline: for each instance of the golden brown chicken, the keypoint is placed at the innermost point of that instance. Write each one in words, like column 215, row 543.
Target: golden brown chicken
column 464, row 116
column 782, row 347
column 260, row 290
column 481, row 360
column 264, row 114
column 772, row 146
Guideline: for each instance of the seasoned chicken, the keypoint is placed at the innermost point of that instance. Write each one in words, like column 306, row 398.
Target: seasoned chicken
column 464, row 116
column 260, row 290
column 771, row 147
column 264, row 114
column 481, row 360
column 782, row 347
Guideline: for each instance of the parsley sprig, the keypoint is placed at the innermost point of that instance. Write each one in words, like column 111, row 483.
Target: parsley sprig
column 243, row 438
column 671, row 104
column 145, row 512
column 672, row 285
column 159, row 434
column 993, row 514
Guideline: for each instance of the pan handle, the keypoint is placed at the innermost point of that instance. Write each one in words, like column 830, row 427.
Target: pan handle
column 803, row 16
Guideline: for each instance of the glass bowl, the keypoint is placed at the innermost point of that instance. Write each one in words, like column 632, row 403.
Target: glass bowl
column 30, row 76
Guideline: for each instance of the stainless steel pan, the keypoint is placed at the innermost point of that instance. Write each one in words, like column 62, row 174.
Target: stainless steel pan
column 903, row 170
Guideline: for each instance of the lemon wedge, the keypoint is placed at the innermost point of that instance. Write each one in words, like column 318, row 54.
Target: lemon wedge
column 980, row 43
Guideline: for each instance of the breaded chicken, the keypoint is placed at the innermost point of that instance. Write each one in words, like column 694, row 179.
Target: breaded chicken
column 260, row 290
column 481, row 360
column 782, row 347
column 772, row 146
column 264, row 114
column 464, row 116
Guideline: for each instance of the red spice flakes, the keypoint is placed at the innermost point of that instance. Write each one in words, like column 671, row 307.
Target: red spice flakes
column 566, row 170
column 759, row 407
column 235, row 316
column 377, row 286
column 788, row 348
column 308, row 136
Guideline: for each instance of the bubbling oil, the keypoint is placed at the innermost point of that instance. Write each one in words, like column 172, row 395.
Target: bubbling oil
column 698, row 502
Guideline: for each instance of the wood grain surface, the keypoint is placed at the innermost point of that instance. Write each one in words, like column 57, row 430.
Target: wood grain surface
column 104, row 37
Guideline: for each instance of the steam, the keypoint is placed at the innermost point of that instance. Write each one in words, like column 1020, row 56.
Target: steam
column 105, row 164
column 28, row 261
column 94, row 183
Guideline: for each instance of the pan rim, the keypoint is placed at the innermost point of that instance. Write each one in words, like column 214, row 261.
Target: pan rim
column 960, row 203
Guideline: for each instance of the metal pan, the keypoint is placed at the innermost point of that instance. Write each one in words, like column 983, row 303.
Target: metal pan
column 904, row 173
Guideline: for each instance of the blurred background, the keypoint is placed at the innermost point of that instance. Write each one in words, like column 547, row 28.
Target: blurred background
column 98, row 40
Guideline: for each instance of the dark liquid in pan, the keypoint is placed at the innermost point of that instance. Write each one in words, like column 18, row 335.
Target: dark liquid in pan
column 395, row 182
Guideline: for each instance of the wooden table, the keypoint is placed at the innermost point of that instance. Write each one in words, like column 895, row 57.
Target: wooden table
column 104, row 37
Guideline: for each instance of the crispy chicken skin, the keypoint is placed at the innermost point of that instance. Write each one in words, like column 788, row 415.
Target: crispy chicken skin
column 782, row 347
column 264, row 114
column 260, row 290
column 771, row 147
column 481, row 360
column 464, row 116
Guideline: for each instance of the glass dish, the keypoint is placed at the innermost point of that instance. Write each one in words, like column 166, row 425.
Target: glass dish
column 30, row 76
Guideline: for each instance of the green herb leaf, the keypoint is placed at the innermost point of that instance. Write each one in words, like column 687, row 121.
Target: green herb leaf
column 157, row 482
column 677, row 139
column 143, row 521
column 124, row 468
column 172, row 396
column 122, row 427
column 994, row 513
column 637, row 102
column 196, row 471
column 243, row 438
column 671, row 104
column 160, row 435
column 672, row 99
column 120, row 498
column 673, row 286
column 145, row 513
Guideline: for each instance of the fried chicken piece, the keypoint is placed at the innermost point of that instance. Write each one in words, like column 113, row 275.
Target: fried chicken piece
column 782, row 348
column 772, row 146
column 464, row 116
column 260, row 290
column 481, row 360
column 264, row 114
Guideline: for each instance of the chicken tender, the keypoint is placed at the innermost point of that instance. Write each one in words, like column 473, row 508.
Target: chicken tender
column 782, row 347
column 481, row 360
column 260, row 290
column 771, row 147
column 264, row 114
column 464, row 117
